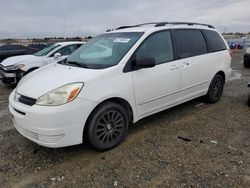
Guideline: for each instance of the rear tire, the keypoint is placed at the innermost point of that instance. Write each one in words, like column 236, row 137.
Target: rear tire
column 108, row 126
column 215, row 90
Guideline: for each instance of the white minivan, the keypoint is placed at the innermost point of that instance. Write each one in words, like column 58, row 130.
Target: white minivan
column 118, row 78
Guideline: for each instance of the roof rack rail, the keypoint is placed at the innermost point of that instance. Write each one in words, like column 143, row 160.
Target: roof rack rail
column 138, row 25
column 160, row 24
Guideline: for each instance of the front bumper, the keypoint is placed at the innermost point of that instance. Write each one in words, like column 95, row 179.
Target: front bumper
column 53, row 127
column 8, row 77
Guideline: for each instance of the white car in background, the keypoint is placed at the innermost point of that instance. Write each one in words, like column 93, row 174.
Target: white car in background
column 14, row 68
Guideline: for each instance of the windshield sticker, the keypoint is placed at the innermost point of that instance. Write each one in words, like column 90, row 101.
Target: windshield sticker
column 122, row 40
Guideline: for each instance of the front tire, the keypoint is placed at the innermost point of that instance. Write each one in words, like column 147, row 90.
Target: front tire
column 215, row 90
column 108, row 126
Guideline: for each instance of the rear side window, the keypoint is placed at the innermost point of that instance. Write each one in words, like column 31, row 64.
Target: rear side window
column 215, row 41
column 157, row 46
column 190, row 43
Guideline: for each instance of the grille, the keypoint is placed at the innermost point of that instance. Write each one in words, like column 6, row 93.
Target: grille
column 2, row 68
column 27, row 100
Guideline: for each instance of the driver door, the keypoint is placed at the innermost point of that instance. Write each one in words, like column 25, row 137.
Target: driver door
column 156, row 88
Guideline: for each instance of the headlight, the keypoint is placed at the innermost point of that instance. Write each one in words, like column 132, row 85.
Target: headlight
column 60, row 95
column 20, row 66
column 15, row 67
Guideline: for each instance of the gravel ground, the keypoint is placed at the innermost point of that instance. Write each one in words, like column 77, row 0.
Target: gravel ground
column 192, row 145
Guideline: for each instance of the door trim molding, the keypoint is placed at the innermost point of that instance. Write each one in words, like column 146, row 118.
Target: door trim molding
column 156, row 98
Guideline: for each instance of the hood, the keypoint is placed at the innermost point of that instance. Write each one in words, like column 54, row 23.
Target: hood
column 19, row 59
column 50, row 77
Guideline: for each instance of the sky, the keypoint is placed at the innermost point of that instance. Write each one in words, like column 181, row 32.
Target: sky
column 45, row 18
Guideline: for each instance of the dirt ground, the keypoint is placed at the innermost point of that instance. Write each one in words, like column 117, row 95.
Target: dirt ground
column 192, row 145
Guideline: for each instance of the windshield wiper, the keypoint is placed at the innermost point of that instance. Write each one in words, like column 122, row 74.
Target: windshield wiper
column 77, row 64
column 73, row 63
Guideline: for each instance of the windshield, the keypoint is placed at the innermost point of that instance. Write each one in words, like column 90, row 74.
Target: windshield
column 46, row 50
column 104, row 51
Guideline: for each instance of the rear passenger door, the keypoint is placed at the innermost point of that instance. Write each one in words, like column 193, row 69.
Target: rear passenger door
column 156, row 88
column 195, row 64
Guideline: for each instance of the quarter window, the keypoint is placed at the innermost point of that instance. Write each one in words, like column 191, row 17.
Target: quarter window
column 190, row 43
column 215, row 41
column 157, row 46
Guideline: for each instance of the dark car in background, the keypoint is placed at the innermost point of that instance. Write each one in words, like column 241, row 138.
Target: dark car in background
column 13, row 50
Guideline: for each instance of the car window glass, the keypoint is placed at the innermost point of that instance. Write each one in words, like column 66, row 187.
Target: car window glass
column 157, row 46
column 100, row 49
column 190, row 43
column 215, row 41
column 105, row 50
column 67, row 50
column 46, row 50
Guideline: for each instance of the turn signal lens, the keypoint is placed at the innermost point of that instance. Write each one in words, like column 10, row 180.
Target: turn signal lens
column 73, row 94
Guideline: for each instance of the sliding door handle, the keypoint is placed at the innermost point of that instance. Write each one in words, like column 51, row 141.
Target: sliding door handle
column 174, row 68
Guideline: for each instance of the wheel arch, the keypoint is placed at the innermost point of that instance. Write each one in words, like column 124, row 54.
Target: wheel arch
column 31, row 69
column 222, row 74
column 117, row 100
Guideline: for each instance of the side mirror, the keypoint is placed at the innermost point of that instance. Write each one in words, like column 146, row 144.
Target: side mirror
column 57, row 55
column 146, row 62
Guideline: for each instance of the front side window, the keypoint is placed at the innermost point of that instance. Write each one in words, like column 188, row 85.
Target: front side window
column 46, row 50
column 190, row 43
column 104, row 51
column 157, row 46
